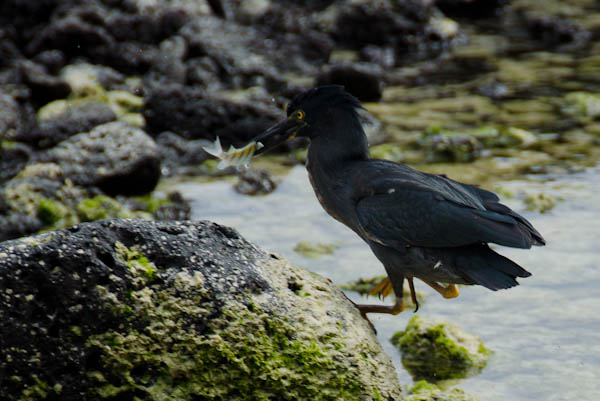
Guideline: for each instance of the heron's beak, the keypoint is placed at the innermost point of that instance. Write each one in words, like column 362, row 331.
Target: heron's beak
column 277, row 134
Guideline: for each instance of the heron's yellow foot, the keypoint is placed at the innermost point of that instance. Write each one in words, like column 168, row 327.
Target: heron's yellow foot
column 383, row 289
column 450, row 291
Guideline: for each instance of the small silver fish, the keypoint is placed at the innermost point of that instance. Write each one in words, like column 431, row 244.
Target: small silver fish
column 233, row 157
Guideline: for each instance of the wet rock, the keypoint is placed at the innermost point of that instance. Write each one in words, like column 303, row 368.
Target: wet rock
column 361, row 80
column 74, row 120
column 87, row 82
column 10, row 121
column 115, row 157
column 582, row 105
column 185, row 310
column 176, row 151
column 471, row 9
column 176, row 208
column 13, row 158
column 193, row 114
column 540, row 202
column 33, row 203
column 53, row 60
column 405, row 26
column 455, row 148
column 558, row 33
column 77, row 32
column 505, row 137
column 312, row 250
column 169, row 65
column 435, row 350
column 258, row 55
column 255, row 182
column 423, row 391
column 44, row 87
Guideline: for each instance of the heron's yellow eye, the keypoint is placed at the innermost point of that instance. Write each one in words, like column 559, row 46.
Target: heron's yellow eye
column 300, row 115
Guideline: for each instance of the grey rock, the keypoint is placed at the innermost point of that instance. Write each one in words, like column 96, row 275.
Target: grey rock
column 10, row 123
column 362, row 80
column 44, row 87
column 181, row 309
column 13, row 159
column 75, row 120
column 116, row 157
column 255, row 182
column 194, row 113
column 407, row 26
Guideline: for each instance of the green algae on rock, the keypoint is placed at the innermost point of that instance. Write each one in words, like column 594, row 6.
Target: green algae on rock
column 177, row 310
column 540, row 202
column 424, row 391
column 435, row 350
column 314, row 250
column 102, row 207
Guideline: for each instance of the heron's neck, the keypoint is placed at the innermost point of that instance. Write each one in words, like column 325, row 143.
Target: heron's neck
column 341, row 141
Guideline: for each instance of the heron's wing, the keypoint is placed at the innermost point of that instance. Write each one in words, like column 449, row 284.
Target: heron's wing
column 432, row 211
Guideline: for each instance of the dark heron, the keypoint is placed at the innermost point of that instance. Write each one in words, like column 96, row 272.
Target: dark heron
column 418, row 225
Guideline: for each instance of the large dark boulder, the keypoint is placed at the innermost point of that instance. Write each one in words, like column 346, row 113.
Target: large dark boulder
column 193, row 113
column 129, row 309
column 115, row 157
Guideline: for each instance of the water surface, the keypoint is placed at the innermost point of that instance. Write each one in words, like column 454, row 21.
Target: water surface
column 545, row 333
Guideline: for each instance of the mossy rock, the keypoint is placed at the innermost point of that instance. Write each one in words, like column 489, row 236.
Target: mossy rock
column 314, row 250
column 424, row 391
column 177, row 311
column 437, row 350
column 101, row 207
column 83, row 79
column 540, row 202
column 582, row 105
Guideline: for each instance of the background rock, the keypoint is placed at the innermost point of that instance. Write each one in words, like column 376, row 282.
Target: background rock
column 126, row 308
column 435, row 350
column 115, row 157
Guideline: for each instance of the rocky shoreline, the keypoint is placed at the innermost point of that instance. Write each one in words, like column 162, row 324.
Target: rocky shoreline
column 100, row 100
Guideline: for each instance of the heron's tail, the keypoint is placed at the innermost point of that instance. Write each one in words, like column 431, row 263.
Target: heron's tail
column 483, row 266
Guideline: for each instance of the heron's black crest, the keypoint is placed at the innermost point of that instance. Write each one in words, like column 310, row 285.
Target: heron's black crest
column 322, row 97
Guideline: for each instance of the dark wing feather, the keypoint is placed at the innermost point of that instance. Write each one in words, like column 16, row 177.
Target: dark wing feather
column 433, row 211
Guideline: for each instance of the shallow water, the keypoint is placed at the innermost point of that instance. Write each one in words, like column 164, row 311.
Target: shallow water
column 545, row 334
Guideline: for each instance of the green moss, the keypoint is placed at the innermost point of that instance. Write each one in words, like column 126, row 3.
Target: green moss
column 101, row 207
column 388, row 151
column 435, row 350
column 76, row 330
column 245, row 354
column 136, row 261
column 311, row 250
column 151, row 203
column 540, row 202
column 50, row 211
column 424, row 391
column 39, row 390
column 83, row 79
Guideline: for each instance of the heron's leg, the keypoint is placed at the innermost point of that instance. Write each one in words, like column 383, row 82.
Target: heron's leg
column 390, row 309
column 383, row 289
column 413, row 294
column 451, row 291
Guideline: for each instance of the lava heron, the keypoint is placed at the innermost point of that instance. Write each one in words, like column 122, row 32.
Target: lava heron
column 418, row 225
